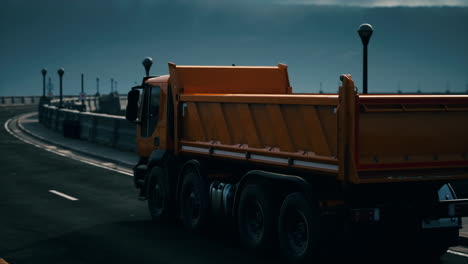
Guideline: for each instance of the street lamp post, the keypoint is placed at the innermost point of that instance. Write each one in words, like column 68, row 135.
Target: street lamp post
column 97, row 86
column 82, row 93
column 147, row 62
column 44, row 72
column 365, row 32
column 49, row 88
column 60, row 72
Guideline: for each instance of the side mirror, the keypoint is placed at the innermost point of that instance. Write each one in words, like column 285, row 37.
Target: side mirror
column 131, row 112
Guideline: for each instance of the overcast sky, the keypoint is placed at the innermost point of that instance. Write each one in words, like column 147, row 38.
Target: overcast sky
column 424, row 46
column 384, row 3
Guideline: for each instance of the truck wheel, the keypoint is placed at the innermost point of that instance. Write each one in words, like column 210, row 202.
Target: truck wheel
column 158, row 195
column 256, row 218
column 194, row 202
column 298, row 228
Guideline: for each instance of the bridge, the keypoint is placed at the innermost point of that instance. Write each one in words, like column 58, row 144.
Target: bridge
column 67, row 196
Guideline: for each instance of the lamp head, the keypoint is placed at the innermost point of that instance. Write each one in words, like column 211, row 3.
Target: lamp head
column 147, row 62
column 365, row 32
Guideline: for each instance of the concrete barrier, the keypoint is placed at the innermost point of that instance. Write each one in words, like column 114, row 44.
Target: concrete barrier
column 9, row 100
column 59, row 120
column 123, row 102
column 52, row 117
column 105, row 131
column 88, row 127
column 126, row 139
column 109, row 130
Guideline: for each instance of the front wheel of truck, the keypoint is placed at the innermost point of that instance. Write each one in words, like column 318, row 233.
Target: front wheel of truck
column 158, row 195
column 299, row 228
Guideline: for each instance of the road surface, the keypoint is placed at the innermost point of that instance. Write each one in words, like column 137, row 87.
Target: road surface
column 54, row 209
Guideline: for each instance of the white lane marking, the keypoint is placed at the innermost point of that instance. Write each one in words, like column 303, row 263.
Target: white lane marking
column 53, row 150
column 457, row 253
column 63, row 151
column 63, row 195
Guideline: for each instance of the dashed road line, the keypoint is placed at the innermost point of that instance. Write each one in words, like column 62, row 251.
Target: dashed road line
column 63, row 195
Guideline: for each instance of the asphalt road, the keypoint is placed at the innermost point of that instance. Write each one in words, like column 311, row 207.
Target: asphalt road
column 107, row 224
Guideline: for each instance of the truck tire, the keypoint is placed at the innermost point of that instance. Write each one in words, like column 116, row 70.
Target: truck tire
column 298, row 228
column 158, row 195
column 194, row 202
column 256, row 218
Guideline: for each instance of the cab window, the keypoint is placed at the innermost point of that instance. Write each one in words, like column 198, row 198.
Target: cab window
column 150, row 114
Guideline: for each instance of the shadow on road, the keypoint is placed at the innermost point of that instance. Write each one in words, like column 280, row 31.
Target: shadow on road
column 149, row 242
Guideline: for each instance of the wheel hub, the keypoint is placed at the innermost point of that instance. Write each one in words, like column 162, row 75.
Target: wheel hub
column 255, row 220
column 297, row 228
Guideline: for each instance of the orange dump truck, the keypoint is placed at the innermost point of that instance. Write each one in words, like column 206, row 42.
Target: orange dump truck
column 294, row 168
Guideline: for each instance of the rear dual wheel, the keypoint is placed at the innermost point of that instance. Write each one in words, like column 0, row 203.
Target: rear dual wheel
column 194, row 202
column 256, row 217
column 299, row 228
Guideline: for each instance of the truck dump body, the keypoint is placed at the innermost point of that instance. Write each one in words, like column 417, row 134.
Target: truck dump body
column 292, row 130
column 412, row 132
column 357, row 138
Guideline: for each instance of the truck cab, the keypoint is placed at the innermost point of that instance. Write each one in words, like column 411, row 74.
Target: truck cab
column 152, row 119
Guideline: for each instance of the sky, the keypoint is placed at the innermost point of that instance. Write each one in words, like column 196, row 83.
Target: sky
column 416, row 45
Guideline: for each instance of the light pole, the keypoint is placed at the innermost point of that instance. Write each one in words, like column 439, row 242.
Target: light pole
column 49, row 88
column 97, row 86
column 147, row 62
column 60, row 72
column 82, row 97
column 365, row 32
column 44, row 72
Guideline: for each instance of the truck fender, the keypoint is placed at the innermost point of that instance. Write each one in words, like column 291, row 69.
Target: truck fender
column 157, row 157
column 294, row 181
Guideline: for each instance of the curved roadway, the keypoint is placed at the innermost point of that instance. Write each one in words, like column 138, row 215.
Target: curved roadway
column 58, row 210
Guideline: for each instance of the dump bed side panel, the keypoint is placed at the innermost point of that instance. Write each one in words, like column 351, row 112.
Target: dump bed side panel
column 290, row 130
column 407, row 136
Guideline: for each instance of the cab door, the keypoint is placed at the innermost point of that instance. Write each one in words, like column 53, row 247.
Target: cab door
column 151, row 125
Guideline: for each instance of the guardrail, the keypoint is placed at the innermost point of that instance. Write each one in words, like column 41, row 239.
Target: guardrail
column 109, row 130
